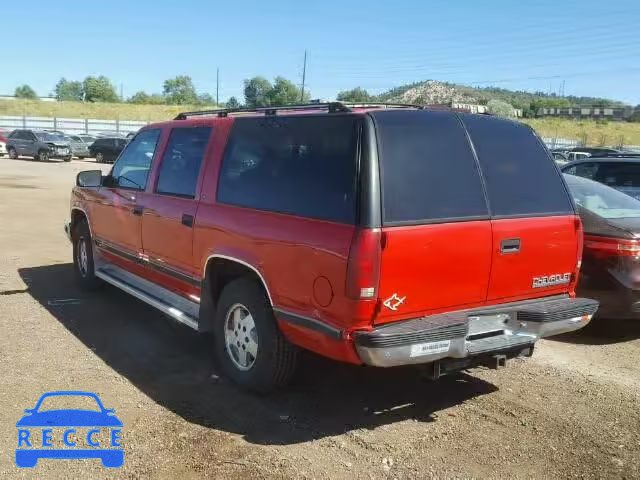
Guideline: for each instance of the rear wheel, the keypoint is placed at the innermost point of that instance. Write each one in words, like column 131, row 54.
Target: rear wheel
column 12, row 153
column 99, row 157
column 43, row 155
column 83, row 257
column 251, row 350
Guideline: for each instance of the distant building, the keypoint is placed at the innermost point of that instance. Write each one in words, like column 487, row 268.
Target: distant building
column 593, row 113
column 13, row 97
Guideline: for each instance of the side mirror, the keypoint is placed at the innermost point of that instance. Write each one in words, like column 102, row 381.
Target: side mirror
column 89, row 178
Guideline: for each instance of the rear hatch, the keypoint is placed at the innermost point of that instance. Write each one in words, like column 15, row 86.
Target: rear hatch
column 474, row 212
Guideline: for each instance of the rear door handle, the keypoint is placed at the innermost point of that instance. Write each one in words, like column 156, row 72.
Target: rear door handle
column 137, row 210
column 510, row 245
column 187, row 220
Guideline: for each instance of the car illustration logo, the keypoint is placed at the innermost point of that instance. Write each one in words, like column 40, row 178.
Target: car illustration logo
column 79, row 432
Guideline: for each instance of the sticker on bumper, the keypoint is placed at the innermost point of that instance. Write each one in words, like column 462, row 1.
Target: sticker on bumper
column 430, row 348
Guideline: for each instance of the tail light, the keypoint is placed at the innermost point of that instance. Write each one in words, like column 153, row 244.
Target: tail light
column 363, row 266
column 603, row 247
column 579, row 250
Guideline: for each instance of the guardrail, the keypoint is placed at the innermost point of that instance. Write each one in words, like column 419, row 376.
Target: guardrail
column 71, row 125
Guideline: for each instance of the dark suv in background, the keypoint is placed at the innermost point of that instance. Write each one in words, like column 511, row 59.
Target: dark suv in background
column 38, row 144
column 107, row 149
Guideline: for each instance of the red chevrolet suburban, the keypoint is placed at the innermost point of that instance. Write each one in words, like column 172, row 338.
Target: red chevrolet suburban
column 382, row 235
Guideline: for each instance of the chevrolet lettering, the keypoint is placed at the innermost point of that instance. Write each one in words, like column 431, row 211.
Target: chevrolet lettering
column 547, row 281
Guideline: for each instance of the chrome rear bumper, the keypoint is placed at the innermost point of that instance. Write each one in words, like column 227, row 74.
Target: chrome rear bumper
column 467, row 333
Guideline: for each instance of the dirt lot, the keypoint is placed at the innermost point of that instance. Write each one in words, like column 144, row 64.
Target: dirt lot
column 573, row 410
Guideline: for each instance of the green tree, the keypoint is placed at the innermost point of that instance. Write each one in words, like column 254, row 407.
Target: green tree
column 99, row 89
column 285, row 92
column 233, row 103
column 500, row 108
column 355, row 95
column 257, row 92
column 25, row 91
column 206, row 99
column 69, row 90
column 143, row 98
column 180, row 90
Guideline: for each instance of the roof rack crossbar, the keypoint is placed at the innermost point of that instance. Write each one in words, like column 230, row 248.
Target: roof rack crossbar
column 332, row 107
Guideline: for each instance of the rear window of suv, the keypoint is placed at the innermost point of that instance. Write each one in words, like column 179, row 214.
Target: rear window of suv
column 521, row 178
column 428, row 170
column 304, row 166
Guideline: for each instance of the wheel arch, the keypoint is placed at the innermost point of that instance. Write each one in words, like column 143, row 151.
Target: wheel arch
column 77, row 215
column 219, row 270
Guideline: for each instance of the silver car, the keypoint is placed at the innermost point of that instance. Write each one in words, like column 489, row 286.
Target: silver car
column 79, row 147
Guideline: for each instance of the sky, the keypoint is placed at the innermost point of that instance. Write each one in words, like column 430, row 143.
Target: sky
column 592, row 46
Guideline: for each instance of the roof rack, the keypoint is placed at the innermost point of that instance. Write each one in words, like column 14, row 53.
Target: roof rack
column 331, row 107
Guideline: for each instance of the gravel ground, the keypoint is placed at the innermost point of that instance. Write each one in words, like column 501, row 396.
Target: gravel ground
column 573, row 410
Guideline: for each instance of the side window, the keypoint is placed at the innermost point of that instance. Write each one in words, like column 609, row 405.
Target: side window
column 520, row 177
column 132, row 168
column 570, row 170
column 619, row 174
column 303, row 166
column 181, row 162
column 586, row 170
column 15, row 134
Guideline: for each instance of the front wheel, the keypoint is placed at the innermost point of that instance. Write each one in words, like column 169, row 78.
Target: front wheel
column 83, row 264
column 99, row 157
column 43, row 156
column 252, row 351
column 12, row 153
column 67, row 159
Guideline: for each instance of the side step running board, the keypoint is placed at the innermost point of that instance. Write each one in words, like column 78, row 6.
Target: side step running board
column 175, row 313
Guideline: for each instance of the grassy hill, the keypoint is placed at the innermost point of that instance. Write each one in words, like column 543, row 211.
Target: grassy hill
column 105, row 111
column 433, row 91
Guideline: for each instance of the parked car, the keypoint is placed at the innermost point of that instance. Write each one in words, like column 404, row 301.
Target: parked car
column 560, row 158
column 339, row 230
column 621, row 173
column 86, row 138
column 79, row 147
column 571, row 156
column 611, row 256
column 594, row 151
column 4, row 134
column 107, row 149
column 38, row 144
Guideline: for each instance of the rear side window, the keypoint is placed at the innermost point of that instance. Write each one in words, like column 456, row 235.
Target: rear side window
column 521, row 178
column 181, row 162
column 428, row 170
column 302, row 165
column 618, row 174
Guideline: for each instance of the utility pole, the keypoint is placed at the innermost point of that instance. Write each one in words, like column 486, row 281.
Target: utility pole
column 563, row 87
column 217, row 86
column 304, row 76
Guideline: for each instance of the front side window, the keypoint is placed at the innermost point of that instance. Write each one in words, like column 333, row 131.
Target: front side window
column 304, row 166
column 181, row 162
column 131, row 170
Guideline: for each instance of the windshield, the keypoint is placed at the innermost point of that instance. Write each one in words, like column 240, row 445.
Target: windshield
column 602, row 200
column 63, row 402
column 49, row 137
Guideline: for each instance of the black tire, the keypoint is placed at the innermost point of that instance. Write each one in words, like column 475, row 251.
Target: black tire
column 12, row 153
column 67, row 159
column 276, row 358
column 85, row 272
column 99, row 157
column 43, row 155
